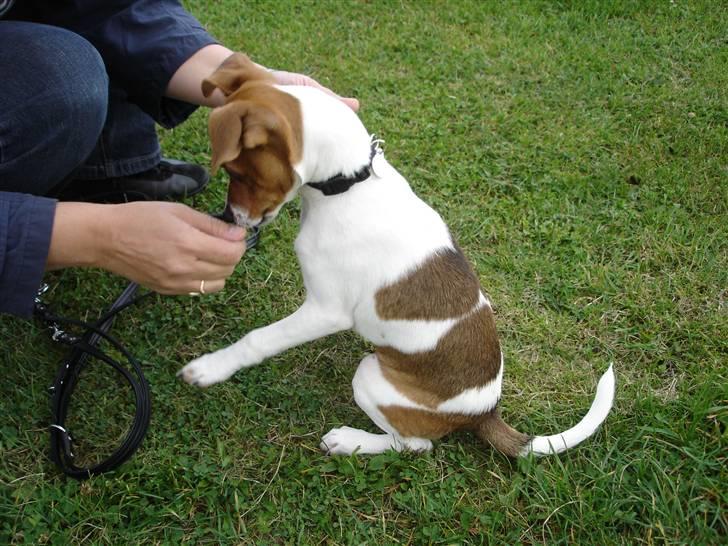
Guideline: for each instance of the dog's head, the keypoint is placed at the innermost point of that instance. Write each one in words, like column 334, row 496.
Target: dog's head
column 256, row 137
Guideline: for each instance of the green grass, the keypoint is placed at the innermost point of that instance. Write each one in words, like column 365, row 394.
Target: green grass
column 579, row 152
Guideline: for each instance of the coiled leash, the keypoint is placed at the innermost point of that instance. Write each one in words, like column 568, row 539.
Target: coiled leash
column 66, row 379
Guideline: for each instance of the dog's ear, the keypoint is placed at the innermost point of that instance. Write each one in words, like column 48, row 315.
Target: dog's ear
column 236, row 70
column 238, row 125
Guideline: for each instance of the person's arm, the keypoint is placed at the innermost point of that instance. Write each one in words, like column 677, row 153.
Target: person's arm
column 25, row 232
column 186, row 82
column 156, row 51
column 142, row 43
column 184, row 247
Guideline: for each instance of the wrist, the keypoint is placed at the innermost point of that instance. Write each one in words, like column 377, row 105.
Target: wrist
column 186, row 82
column 81, row 231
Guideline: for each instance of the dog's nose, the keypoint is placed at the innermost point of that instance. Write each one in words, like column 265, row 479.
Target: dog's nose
column 227, row 215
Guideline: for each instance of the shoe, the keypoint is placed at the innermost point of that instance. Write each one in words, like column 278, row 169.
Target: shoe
column 169, row 180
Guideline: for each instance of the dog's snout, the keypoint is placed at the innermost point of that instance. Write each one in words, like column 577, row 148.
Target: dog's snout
column 228, row 215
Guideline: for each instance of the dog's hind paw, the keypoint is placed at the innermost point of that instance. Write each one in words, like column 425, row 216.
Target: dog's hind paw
column 347, row 440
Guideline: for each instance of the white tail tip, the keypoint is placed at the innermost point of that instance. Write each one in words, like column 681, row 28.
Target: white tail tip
column 602, row 404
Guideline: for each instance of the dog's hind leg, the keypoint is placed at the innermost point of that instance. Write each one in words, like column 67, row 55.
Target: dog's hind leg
column 348, row 440
column 372, row 390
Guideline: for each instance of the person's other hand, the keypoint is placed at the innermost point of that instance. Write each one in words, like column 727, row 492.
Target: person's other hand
column 291, row 78
column 186, row 83
column 167, row 247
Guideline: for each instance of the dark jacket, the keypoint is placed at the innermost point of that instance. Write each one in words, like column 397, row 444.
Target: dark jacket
column 142, row 43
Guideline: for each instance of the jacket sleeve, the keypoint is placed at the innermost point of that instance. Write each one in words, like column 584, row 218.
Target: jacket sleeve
column 26, row 223
column 142, row 43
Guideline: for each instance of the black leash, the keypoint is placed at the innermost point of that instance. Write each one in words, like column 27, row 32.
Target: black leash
column 67, row 376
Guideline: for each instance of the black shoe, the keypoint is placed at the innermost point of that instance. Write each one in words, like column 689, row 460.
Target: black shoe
column 169, row 180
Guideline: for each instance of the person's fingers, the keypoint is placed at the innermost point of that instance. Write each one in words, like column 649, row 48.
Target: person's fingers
column 208, row 286
column 211, row 225
column 216, row 251
column 349, row 101
column 202, row 269
column 190, row 279
column 194, row 287
column 291, row 78
column 212, row 240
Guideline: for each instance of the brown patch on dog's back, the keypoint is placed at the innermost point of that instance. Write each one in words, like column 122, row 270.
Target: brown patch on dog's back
column 444, row 286
column 467, row 356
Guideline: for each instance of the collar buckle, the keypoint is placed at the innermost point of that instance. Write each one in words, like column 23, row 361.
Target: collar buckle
column 340, row 183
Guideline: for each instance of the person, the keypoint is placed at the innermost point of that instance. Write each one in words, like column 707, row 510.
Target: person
column 83, row 83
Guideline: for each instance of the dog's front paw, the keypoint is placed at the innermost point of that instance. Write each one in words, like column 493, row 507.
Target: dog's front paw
column 207, row 370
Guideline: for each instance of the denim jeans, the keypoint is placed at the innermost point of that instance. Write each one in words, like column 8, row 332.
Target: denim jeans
column 60, row 117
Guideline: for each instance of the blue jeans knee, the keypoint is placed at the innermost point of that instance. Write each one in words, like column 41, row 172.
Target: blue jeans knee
column 52, row 109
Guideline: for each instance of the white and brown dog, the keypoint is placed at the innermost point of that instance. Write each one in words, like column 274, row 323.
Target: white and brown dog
column 374, row 258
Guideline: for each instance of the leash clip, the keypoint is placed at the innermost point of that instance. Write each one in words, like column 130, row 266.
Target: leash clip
column 57, row 334
column 42, row 289
column 377, row 154
column 66, row 438
column 377, row 145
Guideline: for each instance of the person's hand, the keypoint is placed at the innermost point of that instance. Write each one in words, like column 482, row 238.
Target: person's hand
column 167, row 247
column 291, row 78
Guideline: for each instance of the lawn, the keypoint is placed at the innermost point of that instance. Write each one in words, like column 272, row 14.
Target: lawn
column 579, row 152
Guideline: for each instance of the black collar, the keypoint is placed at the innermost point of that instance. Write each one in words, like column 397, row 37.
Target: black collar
column 340, row 183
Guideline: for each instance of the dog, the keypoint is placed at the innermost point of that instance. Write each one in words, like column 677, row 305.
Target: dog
column 375, row 258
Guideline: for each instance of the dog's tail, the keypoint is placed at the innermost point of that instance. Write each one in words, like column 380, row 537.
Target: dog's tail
column 509, row 441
